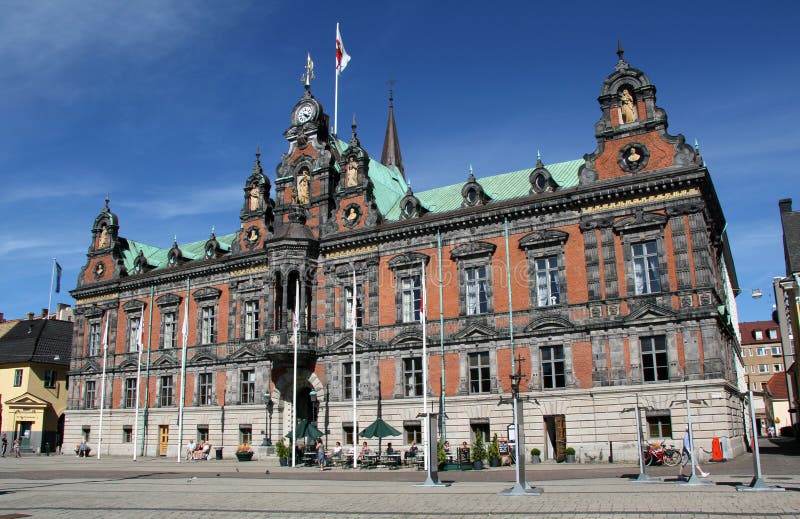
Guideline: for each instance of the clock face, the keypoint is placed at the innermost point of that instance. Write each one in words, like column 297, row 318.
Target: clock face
column 305, row 113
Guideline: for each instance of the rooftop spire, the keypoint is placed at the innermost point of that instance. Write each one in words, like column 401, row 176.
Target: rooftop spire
column 620, row 51
column 354, row 135
column 391, row 155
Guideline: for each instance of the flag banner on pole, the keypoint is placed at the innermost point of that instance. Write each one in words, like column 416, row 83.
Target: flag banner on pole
column 423, row 304
column 105, row 335
column 355, row 301
column 58, row 278
column 342, row 57
column 185, row 328
column 139, row 333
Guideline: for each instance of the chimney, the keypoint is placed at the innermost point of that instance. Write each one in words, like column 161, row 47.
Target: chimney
column 785, row 205
column 2, row 317
column 30, row 316
column 44, row 313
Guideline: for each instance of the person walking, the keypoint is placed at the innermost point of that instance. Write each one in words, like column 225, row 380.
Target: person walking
column 686, row 457
column 4, row 448
column 15, row 448
column 320, row 454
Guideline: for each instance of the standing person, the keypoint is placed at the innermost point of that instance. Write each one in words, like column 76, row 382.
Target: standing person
column 190, row 448
column 5, row 444
column 687, row 456
column 320, row 454
column 15, row 448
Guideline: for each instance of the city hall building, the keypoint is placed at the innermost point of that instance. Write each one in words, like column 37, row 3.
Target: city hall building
column 607, row 276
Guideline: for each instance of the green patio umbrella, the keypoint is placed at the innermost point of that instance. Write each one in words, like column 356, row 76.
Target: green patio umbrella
column 306, row 429
column 379, row 429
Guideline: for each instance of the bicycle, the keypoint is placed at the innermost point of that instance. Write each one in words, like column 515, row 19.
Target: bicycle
column 661, row 454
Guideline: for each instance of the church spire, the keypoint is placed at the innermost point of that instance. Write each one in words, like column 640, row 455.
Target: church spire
column 391, row 144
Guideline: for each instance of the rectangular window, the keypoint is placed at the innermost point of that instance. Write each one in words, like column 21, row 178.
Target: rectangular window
column 94, row 339
column 133, row 332
column 17, row 377
column 412, row 432
column 758, row 334
column 647, row 275
column 777, row 367
column 482, row 430
column 248, row 387
column 208, row 324
column 130, row 393
column 127, row 434
column 251, row 317
column 347, row 432
column 475, row 290
column 479, row 372
column 347, row 369
column 547, row 289
column 654, row 359
column 170, row 330
column 50, row 377
column 776, row 350
column 659, row 423
column 410, row 298
column 205, row 388
column 760, row 352
column 412, row 375
column 166, row 396
column 89, row 394
column 553, row 367
column 772, row 333
column 348, row 308
column 245, row 434
column 202, row 433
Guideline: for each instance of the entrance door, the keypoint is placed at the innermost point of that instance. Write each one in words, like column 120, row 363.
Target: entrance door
column 556, row 429
column 163, row 439
column 24, row 434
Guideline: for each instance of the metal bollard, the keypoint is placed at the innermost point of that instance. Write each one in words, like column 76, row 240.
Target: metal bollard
column 46, row 448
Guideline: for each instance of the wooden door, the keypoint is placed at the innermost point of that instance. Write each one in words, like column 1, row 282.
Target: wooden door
column 163, row 439
column 561, row 437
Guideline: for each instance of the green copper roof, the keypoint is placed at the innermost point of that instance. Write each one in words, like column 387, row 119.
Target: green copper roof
column 505, row 186
column 157, row 257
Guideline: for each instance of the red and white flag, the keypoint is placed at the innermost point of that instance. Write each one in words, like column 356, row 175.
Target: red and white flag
column 342, row 57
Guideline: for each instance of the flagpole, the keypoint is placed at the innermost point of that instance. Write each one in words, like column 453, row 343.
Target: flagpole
column 354, row 378
column 103, row 388
column 147, row 369
column 185, row 333
column 138, row 379
column 336, row 90
column 52, row 277
column 423, row 319
column 295, row 325
column 441, row 335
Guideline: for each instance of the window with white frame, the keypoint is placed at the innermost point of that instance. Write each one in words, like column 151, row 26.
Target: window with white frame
column 647, row 274
column 777, row 367
column 130, row 393
column 94, row 339
column 659, row 423
column 475, row 290
column 655, row 367
column 552, row 360
column 202, row 433
column 127, row 434
column 412, row 376
column 547, row 289
column 245, row 434
column 166, row 396
column 763, row 368
column 133, row 332
column 251, row 319
column 208, row 324
column 347, row 379
column 772, row 333
column 348, row 307
column 776, row 350
column 760, row 352
column 18, row 377
column 412, row 432
column 50, row 377
column 479, row 372
column 169, row 329
column 758, row 335
column 89, row 394
column 204, row 388
column 410, row 298
column 247, row 386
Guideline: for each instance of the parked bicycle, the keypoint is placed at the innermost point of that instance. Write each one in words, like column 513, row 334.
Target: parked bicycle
column 661, row 454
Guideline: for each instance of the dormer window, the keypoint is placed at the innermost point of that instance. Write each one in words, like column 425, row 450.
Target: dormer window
column 758, row 335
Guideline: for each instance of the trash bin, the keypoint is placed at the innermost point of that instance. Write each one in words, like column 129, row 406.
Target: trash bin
column 219, row 453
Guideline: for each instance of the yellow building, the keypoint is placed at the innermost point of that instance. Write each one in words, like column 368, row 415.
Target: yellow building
column 34, row 358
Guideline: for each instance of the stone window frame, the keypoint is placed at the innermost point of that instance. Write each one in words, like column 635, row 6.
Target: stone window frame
column 200, row 387
column 127, row 434
column 404, row 266
column 168, row 304
column 129, row 400
column 247, row 386
column 347, row 380
column 347, row 303
column 542, row 244
column 657, row 417
column 343, row 281
column 90, row 397
column 481, row 366
column 245, row 434
column 553, row 362
column 638, row 228
column 50, row 378
column 207, row 299
column 654, row 353
column 134, row 314
column 18, row 377
column 474, row 255
column 166, row 399
column 94, row 337
column 416, row 373
column 255, row 330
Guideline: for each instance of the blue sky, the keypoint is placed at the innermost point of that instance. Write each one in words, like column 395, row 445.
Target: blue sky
column 162, row 104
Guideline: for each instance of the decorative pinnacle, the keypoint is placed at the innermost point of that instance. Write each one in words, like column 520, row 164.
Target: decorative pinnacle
column 258, row 152
column 696, row 145
column 212, row 230
column 308, row 75
column 539, row 163
column 107, row 200
column 391, row 93
column 175, row 239
column 620, row 51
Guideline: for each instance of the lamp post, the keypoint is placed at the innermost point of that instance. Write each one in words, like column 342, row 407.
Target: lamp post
column 314, row 406
column 269, row 405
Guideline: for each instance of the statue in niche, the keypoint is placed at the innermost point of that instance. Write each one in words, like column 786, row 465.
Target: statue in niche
column 351, row 173
column 254, row 198
column 303, row 188
column 627, row 109
column 633, row 156
column 352, row 214
column 102, row 240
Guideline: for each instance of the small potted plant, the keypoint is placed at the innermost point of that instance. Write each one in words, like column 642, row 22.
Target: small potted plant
column 282, row 450
column 441, row 455
column 244, row 453
column 535, row 455
column 478, row 452
column 494, row 452
column 570, row 452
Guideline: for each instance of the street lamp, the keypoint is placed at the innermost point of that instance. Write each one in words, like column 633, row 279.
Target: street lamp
column 269, row 405
column 314, row 406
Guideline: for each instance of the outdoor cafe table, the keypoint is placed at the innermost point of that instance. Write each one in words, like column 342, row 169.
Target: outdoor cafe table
column 392, row 460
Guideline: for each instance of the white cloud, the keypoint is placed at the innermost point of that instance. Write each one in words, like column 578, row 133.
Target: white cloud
column 189, row 202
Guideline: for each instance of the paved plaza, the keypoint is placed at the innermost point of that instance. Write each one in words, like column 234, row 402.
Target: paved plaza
column 65, row 486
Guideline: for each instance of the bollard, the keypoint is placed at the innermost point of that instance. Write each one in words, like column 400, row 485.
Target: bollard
column 46, row 448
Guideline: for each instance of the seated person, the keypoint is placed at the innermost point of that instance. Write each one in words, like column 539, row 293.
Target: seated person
column 337, row 451
column 411, row 452
column 83, row 449
column 389, row 449
column 363, row 451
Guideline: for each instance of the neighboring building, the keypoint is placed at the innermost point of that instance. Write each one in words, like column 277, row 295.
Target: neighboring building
column 34, row 357
column 762, row 355
column 621, row 291
column 776, row 402
column 787, row 297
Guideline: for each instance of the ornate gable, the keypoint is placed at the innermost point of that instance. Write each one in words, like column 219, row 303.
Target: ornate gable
column 474, row 332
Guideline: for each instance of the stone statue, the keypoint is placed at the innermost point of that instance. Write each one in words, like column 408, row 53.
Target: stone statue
column 633, row 156
column 351, row 173
column 102, row 241
column 253, row 200
column 303, row 191
column 627, row 109
column 352, row 214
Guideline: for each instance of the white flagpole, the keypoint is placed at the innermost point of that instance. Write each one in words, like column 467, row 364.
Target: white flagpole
column 185, row 333
column 103, row 388
column 295, row 325
column 423, row 320
column 336, row 89
column 138, row 378
column 354, row 378
column 53, row 275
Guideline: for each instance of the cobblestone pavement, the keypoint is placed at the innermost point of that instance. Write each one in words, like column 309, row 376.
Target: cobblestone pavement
column 64, row 486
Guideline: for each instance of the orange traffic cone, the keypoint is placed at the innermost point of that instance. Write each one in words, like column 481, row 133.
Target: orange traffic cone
column 716, row 450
